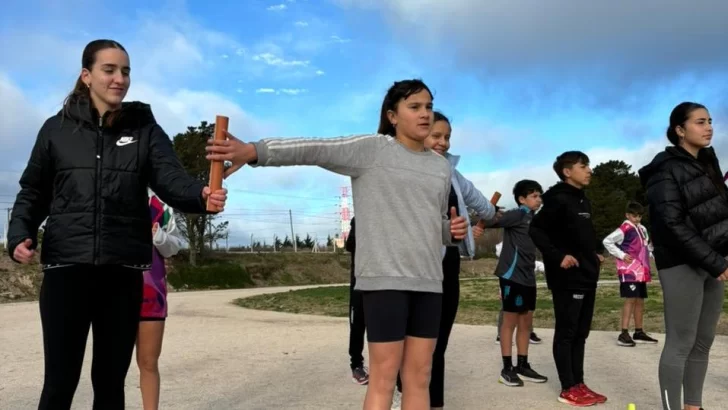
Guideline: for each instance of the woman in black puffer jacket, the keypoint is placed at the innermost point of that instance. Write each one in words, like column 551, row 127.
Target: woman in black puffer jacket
column 88, row 174
column 688, row 207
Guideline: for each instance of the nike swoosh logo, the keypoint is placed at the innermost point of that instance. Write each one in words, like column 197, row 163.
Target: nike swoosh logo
column 123, row 143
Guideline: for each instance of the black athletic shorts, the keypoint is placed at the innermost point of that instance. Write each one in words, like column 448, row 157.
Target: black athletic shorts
column 391, row 315
column 633, row 290
column 517, row 298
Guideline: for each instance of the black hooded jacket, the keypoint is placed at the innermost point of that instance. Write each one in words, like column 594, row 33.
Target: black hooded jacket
column 91, row 183
column 563, row 227
column 688, row 209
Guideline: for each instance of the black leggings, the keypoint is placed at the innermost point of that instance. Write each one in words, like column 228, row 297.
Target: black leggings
column 450, row 301
column 77, row 297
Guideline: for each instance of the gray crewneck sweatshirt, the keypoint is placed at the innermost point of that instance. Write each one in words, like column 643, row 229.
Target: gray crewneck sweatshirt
column 401, row 202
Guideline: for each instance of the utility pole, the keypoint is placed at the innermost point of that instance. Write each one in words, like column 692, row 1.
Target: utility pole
column 293, row 235
column 251, row 243
column 227, row 247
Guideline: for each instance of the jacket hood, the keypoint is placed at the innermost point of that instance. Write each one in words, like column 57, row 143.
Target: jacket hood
column 132, row 114
column 562, row 188
column 453, row 159
column 670, row 153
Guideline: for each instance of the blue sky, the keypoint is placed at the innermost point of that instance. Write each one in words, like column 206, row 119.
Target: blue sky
column 521, row 83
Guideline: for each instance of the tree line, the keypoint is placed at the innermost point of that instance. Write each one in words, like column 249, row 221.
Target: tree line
column 202, row 232
column 613, row 184
column 286, row 243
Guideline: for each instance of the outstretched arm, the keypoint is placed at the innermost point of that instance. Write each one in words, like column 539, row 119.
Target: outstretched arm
column 474, row 198
column 509, row 219
column 350, row 156
column 168, row 178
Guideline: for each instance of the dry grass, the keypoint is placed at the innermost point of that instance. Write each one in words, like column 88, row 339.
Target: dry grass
column 479, row 305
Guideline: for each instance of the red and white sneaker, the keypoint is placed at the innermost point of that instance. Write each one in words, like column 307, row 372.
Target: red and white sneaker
column 577, row 397
column 600, row 398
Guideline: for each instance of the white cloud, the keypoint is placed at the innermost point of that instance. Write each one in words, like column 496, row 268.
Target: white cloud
column 277, row 7
column 20, row 121
column 63, row 54
column 320, row 72
column 178, row 100
column 181, row 107
column 300, row 24
column 293, row 91
column 272, row 59
column 288, row 91
column 337, row 39
column 504, row 36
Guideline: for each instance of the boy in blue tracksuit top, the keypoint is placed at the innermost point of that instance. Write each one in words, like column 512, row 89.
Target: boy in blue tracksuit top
column 517, row 277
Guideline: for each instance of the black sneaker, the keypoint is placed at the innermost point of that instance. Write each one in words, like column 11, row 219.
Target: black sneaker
column 360, row 375
column 510, row 378
column 528, row 374
column 497, row 340
column 642, row 337
column 535, row 340
column 625, row 340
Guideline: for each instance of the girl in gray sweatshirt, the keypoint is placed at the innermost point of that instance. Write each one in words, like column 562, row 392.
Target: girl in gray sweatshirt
column 400, row 191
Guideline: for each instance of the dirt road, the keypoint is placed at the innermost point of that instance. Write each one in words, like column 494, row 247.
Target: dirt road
column 219, row 356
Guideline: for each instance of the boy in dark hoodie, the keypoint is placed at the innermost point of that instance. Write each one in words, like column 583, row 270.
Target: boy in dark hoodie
column 564, row 233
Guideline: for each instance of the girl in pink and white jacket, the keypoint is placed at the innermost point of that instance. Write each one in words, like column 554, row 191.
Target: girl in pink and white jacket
column 630, row 245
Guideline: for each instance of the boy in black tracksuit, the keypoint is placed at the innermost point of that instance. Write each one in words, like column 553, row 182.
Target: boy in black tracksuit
column 564, row 233
column 359, row 373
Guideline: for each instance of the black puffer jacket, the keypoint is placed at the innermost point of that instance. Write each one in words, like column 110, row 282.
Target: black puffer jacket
column 91, row 182
column 688, row 209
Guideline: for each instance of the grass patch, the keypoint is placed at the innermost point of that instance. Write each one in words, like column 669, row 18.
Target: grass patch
column 479, row 305
column 217, row 275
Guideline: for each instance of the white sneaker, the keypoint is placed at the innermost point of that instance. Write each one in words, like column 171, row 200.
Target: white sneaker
column 396, row 400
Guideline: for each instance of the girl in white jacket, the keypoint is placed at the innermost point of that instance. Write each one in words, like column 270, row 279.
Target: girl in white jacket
column 154, row 303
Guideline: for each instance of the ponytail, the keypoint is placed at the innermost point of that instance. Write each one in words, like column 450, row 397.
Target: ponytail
column 80, row 92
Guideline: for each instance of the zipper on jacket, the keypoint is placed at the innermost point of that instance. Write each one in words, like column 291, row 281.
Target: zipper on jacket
column 97, row 200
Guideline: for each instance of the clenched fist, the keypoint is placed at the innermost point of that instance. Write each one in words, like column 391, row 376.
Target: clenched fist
column 458, row 225
column 23, row 253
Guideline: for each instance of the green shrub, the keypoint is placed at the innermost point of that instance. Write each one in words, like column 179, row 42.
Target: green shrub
column 214, row 275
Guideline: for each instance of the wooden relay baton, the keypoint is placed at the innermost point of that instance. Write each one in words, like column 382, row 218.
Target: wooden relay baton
column 495, row 198
column 217, row 167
